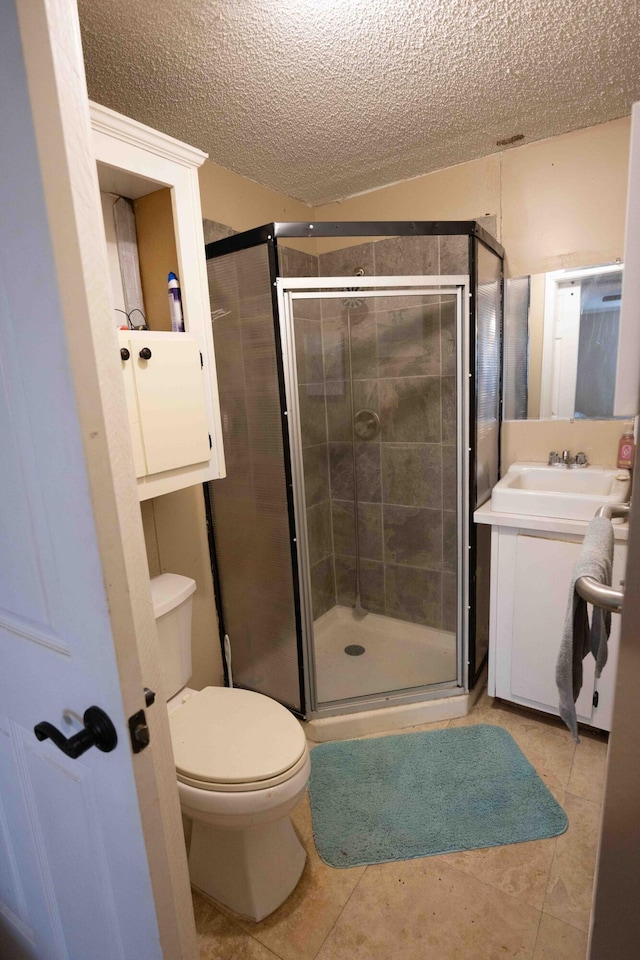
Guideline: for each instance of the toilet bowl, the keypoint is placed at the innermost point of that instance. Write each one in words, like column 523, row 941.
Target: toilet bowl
column 242, row 765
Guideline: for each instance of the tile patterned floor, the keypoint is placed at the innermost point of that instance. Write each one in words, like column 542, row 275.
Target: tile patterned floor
column 529, row 901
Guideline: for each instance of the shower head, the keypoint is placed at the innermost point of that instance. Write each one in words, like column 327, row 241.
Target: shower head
column 352, row 303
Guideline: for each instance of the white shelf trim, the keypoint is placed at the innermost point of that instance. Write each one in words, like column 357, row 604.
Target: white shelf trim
column 137, row 134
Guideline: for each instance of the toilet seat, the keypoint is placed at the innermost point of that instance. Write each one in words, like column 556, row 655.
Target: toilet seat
column 232, row 740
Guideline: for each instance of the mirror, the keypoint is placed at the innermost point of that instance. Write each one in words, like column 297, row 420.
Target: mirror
column 561, row 333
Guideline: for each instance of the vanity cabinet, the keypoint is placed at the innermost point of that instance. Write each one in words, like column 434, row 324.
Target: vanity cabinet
column 172, row 396
column 530, row 577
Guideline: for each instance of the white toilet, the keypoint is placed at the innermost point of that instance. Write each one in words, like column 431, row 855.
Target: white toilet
column 242, row 764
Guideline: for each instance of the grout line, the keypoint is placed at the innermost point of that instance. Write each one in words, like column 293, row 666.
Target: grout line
column 577, row 796
column 573, row 760
column 572, row 926
column 346, row 903
column 535, row 942
column 488, row 883
column 553, row 860
column 260, row 943
column 222, row 912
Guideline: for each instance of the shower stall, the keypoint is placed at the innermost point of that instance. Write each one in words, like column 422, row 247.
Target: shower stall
column 359, row 378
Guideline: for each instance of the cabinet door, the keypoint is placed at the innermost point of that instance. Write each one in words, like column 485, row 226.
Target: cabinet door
column 132, row 411
column 543, row 571
column 171, row 403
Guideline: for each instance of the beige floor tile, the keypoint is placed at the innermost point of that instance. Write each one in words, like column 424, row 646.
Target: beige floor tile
column 559, row 941
column 468, row 906
column 520, row 869
column 589, row 768
column 426, row 910
column 568, row 896
column 297, row 929
column 547, row 745
column 221, row 939
column 436, row 725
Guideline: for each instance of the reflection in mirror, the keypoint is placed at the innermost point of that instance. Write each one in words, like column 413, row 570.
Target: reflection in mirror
column 561, row 343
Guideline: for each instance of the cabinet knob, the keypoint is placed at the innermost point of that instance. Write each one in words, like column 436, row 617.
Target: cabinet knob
column 145, row 354
column 124, row 353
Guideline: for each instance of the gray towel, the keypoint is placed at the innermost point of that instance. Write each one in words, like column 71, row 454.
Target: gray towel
column 578, row 638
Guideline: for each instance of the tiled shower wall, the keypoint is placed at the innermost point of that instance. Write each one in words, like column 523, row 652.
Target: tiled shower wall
column 404, row 365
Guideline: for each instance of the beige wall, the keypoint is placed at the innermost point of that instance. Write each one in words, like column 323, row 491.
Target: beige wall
column 463, row 192
column 157, row 254
column 184, row 548
column 563, row 205
column 559, row 202
column 242, row 204
column 535, row 439
column 564, row 200
column 175, row 534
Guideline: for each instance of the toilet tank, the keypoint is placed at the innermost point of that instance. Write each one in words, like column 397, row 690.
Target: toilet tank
column 172, row 597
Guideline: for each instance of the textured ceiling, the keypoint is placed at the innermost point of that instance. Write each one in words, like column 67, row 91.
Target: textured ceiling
column 321, row 99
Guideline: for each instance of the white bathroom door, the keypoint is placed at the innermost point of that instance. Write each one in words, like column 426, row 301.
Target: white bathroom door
column 75, row 882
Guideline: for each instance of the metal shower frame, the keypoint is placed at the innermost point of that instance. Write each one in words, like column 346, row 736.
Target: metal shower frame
column 269, row 235
column 291, row 290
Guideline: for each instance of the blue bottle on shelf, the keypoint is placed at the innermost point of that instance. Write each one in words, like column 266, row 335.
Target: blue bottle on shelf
column 175, row 304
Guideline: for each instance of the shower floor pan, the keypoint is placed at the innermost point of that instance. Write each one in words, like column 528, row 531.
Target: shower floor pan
column 396, row 655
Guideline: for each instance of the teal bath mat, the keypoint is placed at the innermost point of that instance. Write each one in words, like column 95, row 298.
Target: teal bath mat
column 420, row 794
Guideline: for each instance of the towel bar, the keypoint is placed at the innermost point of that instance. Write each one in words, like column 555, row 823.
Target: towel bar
column 600, row 595
column 591, row 590
column 614, row 510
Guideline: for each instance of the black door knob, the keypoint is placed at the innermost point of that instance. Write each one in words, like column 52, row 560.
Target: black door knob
column 124, row 353
column 145, row 354
column 98, row 732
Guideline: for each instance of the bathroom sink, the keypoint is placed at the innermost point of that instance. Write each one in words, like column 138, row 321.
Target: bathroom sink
column 568, row 493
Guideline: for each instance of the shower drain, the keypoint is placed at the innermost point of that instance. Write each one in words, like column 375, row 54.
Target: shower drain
column 354, row 650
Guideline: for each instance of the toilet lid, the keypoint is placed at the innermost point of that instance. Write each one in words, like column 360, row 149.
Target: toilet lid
column 230, row 736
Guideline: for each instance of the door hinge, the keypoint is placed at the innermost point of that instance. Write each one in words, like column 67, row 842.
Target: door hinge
column 210, row 442
column 596, row 697
column 201, row 361
column 139, row 731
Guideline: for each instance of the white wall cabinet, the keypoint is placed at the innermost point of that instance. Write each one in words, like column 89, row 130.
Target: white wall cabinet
column 165, row 401
column 530, row 577
column 172, row 399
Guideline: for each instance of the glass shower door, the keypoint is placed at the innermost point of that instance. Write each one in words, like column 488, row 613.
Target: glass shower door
column 378, row 408
column 251, row 530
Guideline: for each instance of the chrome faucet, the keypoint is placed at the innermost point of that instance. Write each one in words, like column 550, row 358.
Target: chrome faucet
column 565, row 459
